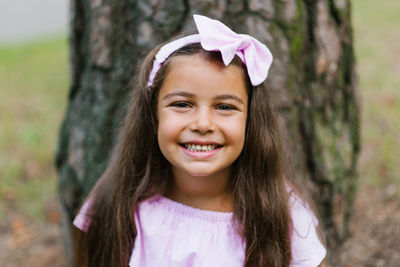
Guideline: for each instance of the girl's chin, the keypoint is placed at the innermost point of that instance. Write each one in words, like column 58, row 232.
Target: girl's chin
column 200, row 173
column 206, row 171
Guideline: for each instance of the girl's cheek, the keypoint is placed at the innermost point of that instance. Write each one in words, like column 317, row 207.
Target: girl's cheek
column 174, row 118
column 234, row 129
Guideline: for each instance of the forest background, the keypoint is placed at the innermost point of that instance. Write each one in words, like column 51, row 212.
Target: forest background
column 34, row 80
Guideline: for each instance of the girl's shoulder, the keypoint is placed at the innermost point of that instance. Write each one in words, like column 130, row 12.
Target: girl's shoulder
column 307, row 248
column 302, row 215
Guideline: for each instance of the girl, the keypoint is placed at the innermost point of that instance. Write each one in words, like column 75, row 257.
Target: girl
column 196, row 178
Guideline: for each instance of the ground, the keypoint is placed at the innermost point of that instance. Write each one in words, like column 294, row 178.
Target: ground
column 374, row 230
column 27, row 242
column 374, row 234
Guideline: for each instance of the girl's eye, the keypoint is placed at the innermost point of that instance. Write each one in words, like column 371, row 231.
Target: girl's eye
column 181, row 105
column 225, row 107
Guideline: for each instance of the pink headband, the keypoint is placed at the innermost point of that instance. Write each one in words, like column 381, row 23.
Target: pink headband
column 215, row 36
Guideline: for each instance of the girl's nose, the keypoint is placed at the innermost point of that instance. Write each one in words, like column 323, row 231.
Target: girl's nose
column 203, row 122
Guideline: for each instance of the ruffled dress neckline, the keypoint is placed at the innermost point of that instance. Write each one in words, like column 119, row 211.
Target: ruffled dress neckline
column 172, row 234
column 192, row 212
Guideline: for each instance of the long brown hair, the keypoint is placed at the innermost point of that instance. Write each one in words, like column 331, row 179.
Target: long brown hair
column 138, row 170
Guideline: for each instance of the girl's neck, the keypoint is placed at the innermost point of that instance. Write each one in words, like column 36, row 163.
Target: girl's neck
column 202, row 192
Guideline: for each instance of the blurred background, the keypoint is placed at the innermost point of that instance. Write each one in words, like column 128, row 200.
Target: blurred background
column 33, row 95
column 34, row 77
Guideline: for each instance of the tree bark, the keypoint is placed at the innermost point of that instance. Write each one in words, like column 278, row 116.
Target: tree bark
column 312, row 79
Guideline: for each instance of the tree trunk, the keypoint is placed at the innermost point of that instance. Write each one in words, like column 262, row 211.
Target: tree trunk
column 312, row 78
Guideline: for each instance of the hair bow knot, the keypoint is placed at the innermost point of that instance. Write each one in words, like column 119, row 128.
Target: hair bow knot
column 216, row 36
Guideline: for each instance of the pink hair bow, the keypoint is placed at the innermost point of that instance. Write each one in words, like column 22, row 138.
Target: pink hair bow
column 215, row 36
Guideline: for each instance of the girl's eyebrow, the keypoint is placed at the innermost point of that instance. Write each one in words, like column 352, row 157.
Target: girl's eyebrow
column 178, row 93
column 233, row 97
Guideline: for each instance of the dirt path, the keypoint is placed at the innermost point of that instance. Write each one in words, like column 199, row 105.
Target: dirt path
column 27, row 242
column 29, row 20
column 375, row 229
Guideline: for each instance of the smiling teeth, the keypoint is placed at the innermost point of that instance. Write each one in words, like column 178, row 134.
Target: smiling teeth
column 200, row 148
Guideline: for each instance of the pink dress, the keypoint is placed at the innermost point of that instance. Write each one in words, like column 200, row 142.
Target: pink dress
column 171, row 234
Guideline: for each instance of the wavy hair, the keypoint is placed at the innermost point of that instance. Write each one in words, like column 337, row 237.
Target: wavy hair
column 137, row 170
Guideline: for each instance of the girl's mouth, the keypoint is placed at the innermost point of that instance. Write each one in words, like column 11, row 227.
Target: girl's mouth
column 200, row 148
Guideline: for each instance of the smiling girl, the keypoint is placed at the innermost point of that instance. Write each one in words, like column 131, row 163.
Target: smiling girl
column 196, row 178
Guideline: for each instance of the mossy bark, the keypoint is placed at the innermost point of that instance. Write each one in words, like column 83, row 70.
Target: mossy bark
column 312, row 79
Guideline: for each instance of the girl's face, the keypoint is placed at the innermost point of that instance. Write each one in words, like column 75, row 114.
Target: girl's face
column 202, row 111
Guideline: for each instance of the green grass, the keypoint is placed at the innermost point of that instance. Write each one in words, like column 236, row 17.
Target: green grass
column 377, row 42
column 33, row 89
